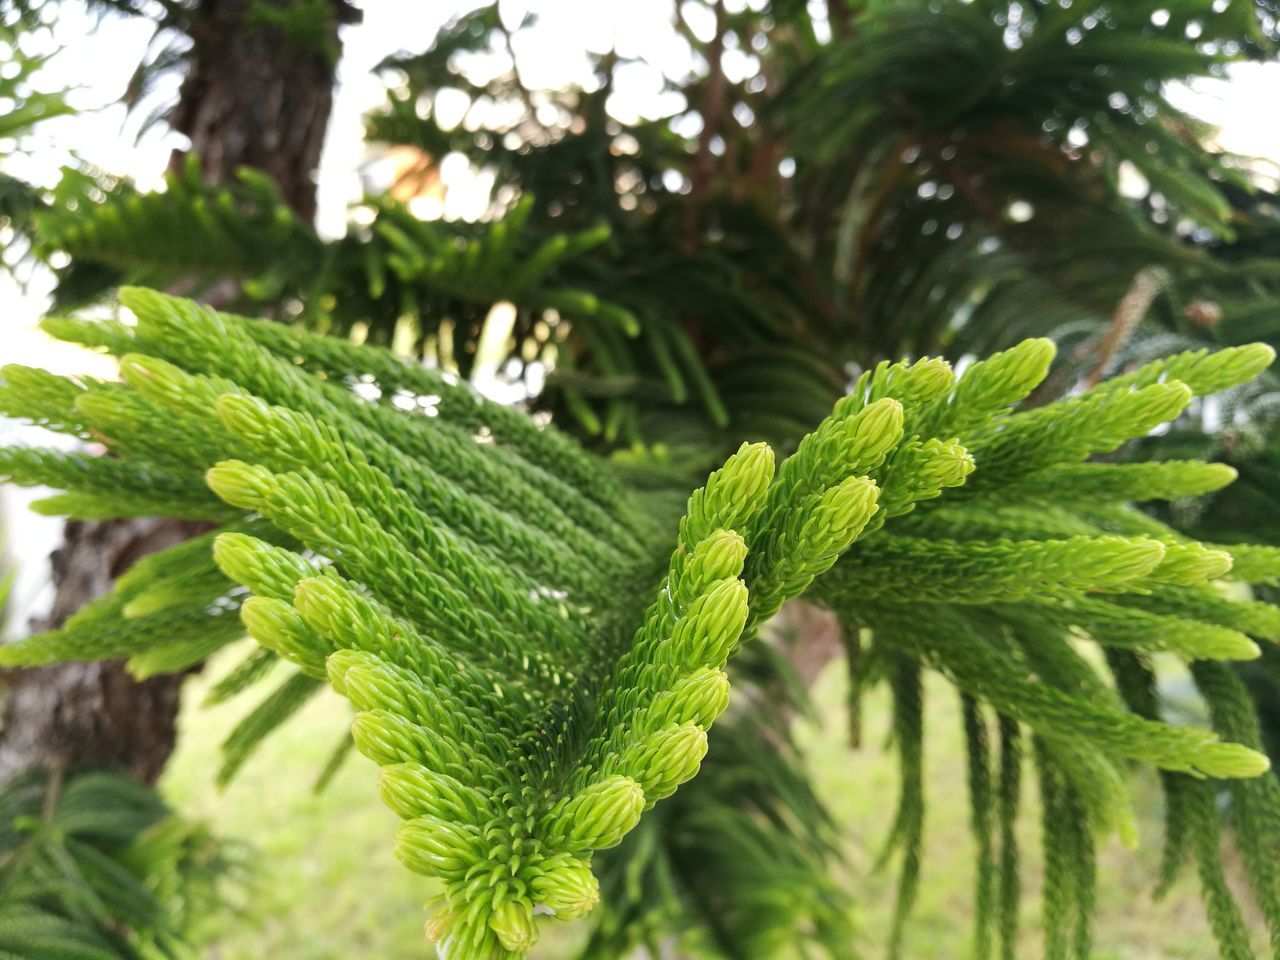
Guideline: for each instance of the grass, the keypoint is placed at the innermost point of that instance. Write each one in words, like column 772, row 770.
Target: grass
column 861, row 787
column 326, row 886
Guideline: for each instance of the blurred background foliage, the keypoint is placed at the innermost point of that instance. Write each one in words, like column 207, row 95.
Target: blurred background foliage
column 829, row 187
column 96, row 866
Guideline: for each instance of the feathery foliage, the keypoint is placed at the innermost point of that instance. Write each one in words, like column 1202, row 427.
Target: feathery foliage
column 536, row 654
column 95, row 866
column 529, row 656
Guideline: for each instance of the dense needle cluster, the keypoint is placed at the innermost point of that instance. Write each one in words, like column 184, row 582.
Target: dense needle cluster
column 533, row 663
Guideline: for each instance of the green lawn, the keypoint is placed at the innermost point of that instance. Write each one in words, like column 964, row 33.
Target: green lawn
column 326, row 886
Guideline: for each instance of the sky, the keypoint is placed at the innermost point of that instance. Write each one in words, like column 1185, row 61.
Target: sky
column 98, row 58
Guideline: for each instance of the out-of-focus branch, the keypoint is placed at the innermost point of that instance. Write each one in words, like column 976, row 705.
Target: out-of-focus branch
column 1133, row 306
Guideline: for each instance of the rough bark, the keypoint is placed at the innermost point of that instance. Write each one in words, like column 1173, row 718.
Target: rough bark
column 256, row 97
column 74, row 714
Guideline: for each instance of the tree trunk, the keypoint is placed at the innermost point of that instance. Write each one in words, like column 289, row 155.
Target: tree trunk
column 259, row 97
column 76, row 714
column 254, row 96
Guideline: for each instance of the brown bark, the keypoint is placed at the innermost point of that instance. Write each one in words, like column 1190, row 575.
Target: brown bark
column 252, row 97
column 256, row 97
column 75, row 714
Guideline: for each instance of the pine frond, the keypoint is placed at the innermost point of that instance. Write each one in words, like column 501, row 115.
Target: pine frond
column 94, row 865
column 535, row 663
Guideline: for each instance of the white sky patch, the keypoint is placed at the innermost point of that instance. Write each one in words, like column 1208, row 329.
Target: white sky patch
column 1243, row 107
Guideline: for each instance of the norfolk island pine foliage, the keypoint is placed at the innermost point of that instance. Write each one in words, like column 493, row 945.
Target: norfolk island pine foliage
column 536, row 654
